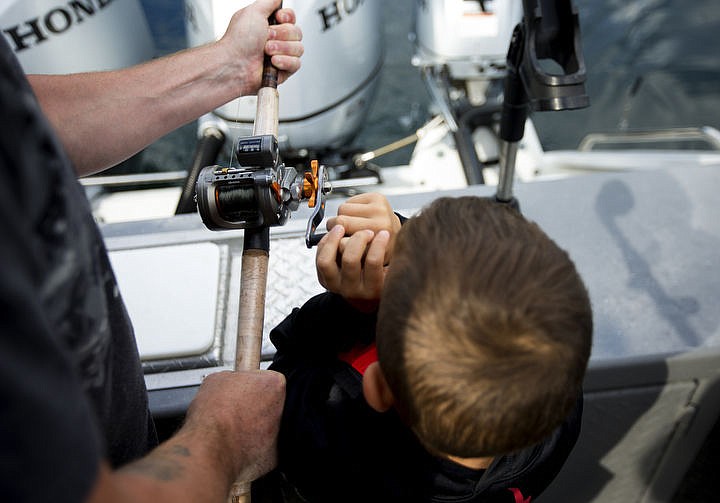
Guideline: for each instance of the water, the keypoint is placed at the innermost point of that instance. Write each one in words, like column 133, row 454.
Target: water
column 650, row 64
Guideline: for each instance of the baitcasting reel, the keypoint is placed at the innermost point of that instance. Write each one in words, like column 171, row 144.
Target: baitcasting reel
column 261, row 191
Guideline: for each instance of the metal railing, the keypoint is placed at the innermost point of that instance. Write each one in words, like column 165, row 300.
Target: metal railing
column 706, row 135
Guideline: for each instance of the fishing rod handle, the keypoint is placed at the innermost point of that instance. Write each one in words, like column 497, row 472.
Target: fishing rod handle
column 253, row 283
column 266, row 113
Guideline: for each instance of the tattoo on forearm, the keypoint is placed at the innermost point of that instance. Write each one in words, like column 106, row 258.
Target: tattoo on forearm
column 180, row 450
column 163, row 464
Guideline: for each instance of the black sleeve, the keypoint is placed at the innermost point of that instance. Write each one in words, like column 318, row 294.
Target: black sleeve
column 48, row 441
column 49, row 444
column 328, row 434
column 323, row 327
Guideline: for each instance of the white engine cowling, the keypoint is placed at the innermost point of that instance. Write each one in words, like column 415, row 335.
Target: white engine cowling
column 326, row 102
column 56, row 36
column 470, row 37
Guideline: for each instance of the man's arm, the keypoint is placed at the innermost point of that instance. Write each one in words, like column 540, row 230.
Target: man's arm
column 230, row 434
column 103, row 118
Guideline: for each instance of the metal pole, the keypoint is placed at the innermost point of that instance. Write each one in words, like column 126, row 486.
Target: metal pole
column 508, row 155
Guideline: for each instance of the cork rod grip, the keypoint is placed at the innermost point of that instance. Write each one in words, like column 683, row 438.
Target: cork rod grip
column 251, row 317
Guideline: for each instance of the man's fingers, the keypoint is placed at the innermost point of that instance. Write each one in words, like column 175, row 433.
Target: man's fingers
column 267, row 6
column 285, row 32
column 287, row 66
column 284, row 50
column 285, row 16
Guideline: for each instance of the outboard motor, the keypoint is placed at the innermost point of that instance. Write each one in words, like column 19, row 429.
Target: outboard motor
column 325, row 104
column 461, row 50
column 469, row 38
column 51, row 36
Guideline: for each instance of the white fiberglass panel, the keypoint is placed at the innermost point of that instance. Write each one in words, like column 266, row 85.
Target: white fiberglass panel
column 171, row 295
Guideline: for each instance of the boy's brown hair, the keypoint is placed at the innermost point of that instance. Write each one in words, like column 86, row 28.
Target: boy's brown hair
column 484, row 329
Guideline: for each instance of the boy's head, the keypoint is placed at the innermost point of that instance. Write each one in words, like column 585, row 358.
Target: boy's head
column 484, row 329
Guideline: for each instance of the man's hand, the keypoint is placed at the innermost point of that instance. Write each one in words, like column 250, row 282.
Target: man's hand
column 154, row 98
column 358, row 273
column 240, row 411
column 229, row 435
column 249, row 37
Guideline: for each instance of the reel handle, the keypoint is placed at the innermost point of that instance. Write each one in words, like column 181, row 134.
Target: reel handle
column 315, row 187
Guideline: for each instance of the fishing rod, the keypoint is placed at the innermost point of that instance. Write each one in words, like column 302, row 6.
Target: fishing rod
column 259, row 193
column 545, row 71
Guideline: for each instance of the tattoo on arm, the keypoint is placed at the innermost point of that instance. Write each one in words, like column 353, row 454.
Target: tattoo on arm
column 164, row 464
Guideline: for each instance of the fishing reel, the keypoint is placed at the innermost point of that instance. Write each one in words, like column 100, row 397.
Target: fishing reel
column 261, row 191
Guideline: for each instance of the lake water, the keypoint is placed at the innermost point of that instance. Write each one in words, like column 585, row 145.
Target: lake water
column 650, row 64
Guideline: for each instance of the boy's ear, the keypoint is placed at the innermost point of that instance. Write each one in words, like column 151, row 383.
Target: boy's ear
column 376, row 390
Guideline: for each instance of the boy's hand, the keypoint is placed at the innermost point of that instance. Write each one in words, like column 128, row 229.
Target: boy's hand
column 358, row 273
column 370, row 211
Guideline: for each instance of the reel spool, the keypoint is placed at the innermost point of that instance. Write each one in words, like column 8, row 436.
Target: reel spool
column 261, row 191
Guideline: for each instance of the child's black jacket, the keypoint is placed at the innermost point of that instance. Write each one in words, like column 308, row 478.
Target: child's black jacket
column 334, row 447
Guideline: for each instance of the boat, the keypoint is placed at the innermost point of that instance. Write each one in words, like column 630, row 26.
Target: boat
column 637, row 211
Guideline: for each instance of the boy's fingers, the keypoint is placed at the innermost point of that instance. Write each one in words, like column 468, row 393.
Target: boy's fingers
column 357, row 223
column 343, row 244
column 374, row 274
column 326, row 258
column 331, row 222
column 352, row 258
column 354, row 224
column 364, row 197
column 357, row 210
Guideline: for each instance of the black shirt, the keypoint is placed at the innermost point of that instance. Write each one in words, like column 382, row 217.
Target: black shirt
column 335, row 447
column 71, row 385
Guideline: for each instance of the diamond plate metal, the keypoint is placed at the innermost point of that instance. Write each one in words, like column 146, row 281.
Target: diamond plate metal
column 291, row 281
